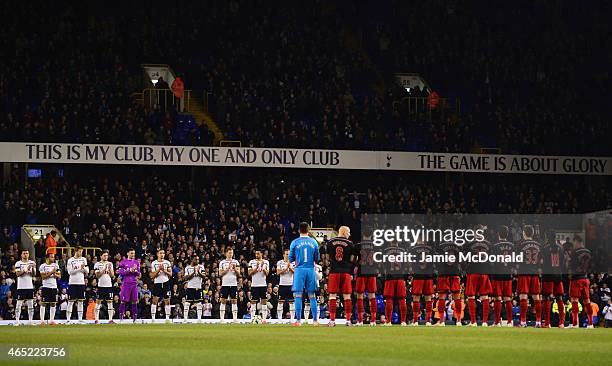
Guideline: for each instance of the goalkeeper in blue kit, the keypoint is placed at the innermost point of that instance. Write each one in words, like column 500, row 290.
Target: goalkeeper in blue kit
column 304, row 251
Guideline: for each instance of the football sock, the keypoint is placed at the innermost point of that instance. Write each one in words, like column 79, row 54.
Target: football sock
column 373, row 310
column 416, row 311
column 292, row 310
column 428, row 310
column 472, row 310
column 509, row 311
column 561, row 306
column 80, row 309
column 185, row 311
column 546, row 308
column 388, row 309
column 153, row 311
column 403, row 307
column 332, row 309
column 97, row 312
column 538, row 310
column 167, row 310
column 497, row 311
column 199, row 310
column 575, row 313
column 441, row 310
column 122, row 310
column 42, row 312
column 222, row 311
column 360, row 310
column 485, row 311
column 264, row 311
column 589, row 311
column 253, row 310
column 235, row 311
column 52, row 312
column 306, row 307
column 314, row 306
column 457, row 311
column 69, row 310
column 524, row 305
column 30, row 304
column 279, row 310
column 18, row 307
column 348, row 309
column 298, row 308
column 110, row 309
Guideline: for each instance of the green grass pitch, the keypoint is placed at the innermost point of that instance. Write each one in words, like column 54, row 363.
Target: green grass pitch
column 198, row 344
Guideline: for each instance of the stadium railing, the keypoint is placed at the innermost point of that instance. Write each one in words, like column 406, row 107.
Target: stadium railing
column 86, row 250
column 165, row 99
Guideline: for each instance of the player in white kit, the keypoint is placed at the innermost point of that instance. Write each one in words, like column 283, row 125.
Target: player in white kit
column 194, row 273
column 259, row 269
column 49, row 272
column 25, row 269
column 285, row 270
column 161, row 271
column 77, row 269
column 105, row 273
column 229, row 270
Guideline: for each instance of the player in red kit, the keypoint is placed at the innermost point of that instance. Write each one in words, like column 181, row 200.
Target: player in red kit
column 528, row 279
column 553, row 267
column 501, row 278
column 581, row 260
column 366, row 280
column 395, row 285
column 340, row 250
column 422, row 283
column 448, row 280
column 477, row 282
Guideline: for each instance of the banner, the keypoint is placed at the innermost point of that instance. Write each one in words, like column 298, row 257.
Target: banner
column 65, row 153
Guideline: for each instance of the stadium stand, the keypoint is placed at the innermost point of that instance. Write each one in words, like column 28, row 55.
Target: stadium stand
column 325, row 80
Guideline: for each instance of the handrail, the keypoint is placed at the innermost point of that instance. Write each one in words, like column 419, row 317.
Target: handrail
column 416, row 105
column 165, row 98
column 70, row 249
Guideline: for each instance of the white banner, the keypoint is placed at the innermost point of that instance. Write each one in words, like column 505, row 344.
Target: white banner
column 23, row 152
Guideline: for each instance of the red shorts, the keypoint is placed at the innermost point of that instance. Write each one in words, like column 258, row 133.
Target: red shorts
column 528, row 284
column 553, row 288
column 422, row 287
column 580, row 288
column 339, row 283
column 477, row 284
column 363, row 284
column 502, row 288
column 395, row 288
column 448, row 283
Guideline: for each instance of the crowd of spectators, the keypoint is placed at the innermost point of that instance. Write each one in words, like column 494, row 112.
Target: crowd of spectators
column 309, row 74
column 150, row 210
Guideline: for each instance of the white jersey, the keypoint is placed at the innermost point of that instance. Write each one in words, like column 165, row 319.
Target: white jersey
column 49, row 282
column 195, row 281
column 229, row 278
column 77, row 277
column 104, row 280
column 162, row 277
column 259, row 277
column 286, row 279
column 24, row 282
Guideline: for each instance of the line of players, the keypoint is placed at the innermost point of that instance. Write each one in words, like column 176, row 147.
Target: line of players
column 481, row 280
column 160, row 272
column 343, row 256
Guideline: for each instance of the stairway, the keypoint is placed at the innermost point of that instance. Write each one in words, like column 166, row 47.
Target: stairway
column 196, row 108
